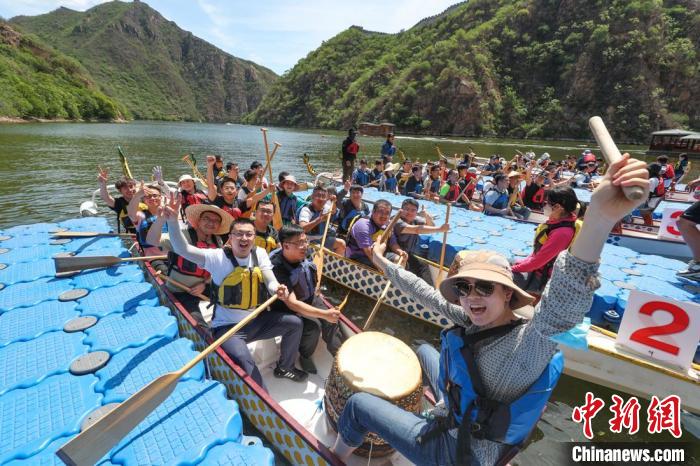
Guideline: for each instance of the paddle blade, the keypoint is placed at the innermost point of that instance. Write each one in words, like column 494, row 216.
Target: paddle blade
column 94, row 442
column 71, row 264
column 81, row 234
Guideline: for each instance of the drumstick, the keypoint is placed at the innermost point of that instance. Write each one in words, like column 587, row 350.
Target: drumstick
column 375, row 309
column 612, row 154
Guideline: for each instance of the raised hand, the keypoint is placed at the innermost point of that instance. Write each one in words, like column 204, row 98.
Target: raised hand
column 102, row 175
column 211, row 160
column 158, row 174
column 347, row 185
column 171, row 207
column 608, row 201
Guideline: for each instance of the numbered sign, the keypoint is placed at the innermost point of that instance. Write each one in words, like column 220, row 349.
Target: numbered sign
column 669, row 228
column 660, row 328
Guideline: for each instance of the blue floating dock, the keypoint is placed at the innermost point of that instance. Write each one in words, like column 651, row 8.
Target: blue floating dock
column 42, row 405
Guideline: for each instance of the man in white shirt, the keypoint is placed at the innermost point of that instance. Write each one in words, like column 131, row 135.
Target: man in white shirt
column 241, row 278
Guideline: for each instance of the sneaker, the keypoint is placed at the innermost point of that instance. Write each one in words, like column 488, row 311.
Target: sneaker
column 293, row 374
column 692, row 271
column 308, row 365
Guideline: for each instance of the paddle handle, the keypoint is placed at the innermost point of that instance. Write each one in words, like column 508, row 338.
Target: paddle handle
column 375, row 309
column 389, row 228
column 612, row 154
column 181, row 286
column 222, row 339
column 143, row 258
column 444, row 247
column 319, row 266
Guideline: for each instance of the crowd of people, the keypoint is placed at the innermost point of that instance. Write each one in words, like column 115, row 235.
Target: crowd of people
column 222, row 244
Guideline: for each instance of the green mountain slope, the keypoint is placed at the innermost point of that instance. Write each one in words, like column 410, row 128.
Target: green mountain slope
column 156, row 69
column 526, row 68
column 38, row 82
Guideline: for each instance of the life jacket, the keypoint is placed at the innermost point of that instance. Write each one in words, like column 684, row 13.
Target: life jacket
column 541, row 237
column 660, row 189
column 435, row 186
column 180, row 264
column 287, row 207
column 266, row 240
column 471, row 410
column 124, row 220
column 247, row 213
column 500, row 203
column 390, row 184
column 188, row 199
column 375, row 236
column 243, row 288
column 302, row 277
column 361, row 177
column 533, row 195
column 453, row 192
column 353, row 214
column 142, row 229
column 314, row 215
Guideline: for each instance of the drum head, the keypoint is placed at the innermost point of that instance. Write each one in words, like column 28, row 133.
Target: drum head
column 379, row 364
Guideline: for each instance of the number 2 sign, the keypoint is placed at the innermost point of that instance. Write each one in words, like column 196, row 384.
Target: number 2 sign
column 660, row 328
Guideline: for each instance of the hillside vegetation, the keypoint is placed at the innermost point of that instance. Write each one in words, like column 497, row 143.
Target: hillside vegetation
column 149, row 64
column 528, row 68
column 38, row 82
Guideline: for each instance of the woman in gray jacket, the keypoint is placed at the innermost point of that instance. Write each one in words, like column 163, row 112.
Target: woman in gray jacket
column 495, row 371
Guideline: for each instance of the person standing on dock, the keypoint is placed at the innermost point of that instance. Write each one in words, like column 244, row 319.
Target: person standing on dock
column 494, row 366
column 350, row 149
column 388, row 149
column 241, row 278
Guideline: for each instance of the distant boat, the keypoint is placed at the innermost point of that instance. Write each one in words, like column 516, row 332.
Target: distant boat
column 675, row 141
column 372, row 129
column 229, row 124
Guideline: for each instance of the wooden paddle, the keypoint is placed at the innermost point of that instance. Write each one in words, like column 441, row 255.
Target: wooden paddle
column 88, row 234
column 70, row 264
column 182, row 286
column 95, row 441
column 277, row 216
column 319, row 257
column 375, row 309
column 125, row 164
column 442, row 251
column 612, row 154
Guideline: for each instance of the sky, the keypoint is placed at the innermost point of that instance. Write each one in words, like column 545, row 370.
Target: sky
column 272, row 33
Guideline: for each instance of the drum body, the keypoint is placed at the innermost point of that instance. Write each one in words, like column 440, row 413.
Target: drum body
column 379, row 364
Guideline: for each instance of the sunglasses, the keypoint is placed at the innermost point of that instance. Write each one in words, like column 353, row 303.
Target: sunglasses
column 464, row 288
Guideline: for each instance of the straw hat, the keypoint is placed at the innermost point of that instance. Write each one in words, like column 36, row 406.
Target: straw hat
column 391, row 167
column 195, row 211
column 513, row 173
column 487, row 266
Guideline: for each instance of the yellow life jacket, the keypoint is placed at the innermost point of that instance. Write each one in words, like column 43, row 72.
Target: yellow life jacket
column 351, row 239
column 266, row 240
column 543, row 228
column 243, row 288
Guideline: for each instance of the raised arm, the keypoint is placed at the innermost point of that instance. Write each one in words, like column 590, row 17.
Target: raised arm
column 102, row 176
column 179, row 245
column 211, row 185
column 133, row 208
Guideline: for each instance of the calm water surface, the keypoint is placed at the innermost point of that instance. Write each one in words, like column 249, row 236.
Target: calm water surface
column 47, row 170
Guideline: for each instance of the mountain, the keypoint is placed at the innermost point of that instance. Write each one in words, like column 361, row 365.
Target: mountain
column 156, row 69
column 39, row 82
column 533, row 68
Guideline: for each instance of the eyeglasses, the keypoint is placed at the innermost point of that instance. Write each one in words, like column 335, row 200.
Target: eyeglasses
column 240, row 235
column 464, row 288
column 300, row 244
column 152, row 196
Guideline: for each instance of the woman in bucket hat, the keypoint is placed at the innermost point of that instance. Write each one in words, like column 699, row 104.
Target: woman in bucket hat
column 495, row 370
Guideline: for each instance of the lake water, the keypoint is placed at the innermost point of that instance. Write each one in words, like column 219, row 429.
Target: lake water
column 47, row 170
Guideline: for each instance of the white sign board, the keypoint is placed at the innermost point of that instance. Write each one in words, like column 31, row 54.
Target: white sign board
column 669, row 227
column 660, row 328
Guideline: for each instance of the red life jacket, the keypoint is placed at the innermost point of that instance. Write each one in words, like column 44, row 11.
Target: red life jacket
column 660, row 189
column 188, row 199
column 452, row 193
column 186, row 267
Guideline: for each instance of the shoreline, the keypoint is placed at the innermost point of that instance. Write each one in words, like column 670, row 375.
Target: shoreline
column 14, row 120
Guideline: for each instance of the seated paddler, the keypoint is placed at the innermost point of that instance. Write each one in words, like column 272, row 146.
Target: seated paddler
column 365, row 231
column 298, row 274
column 241, row 279
column 495, row 369
column 187, row 280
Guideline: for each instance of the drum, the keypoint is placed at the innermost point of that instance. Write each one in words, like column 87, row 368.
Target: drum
column 379, row 364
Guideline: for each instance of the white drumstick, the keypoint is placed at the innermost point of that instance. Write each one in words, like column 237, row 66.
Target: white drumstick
column 612, row 154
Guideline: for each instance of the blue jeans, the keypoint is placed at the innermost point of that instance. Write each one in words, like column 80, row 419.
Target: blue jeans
column 368, row 413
